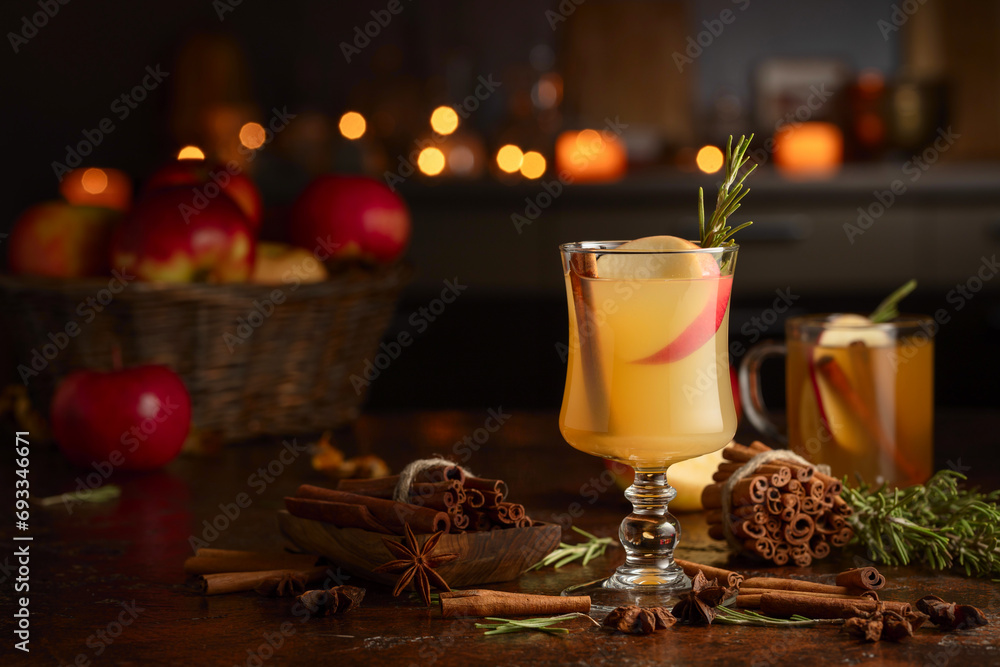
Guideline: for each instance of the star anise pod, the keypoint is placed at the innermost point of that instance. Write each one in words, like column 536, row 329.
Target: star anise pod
column 635, row 620
column 881, row 623
column 416, row 563
column 337, row 600
column 697, row 606
column 950, row 615
column 283, row 586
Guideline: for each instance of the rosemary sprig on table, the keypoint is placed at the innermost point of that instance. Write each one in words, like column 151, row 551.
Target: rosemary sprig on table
column 936, row 524
column 730, row 616
column 567, row 553
column 505, row 625
column 101, row 494
column 889, row 308
column 716, row 233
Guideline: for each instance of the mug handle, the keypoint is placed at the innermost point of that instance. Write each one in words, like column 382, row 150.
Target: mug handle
column 750, row 392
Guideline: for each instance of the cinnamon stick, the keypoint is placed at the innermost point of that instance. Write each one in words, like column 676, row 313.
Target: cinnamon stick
column 799, row 530
column 865, row 578
column 474, row 498
column 441, row 474
column 487, row 485
column 789, row 604
column 232, row 582
column 498, row 603
column 390, row 514
column 795, row 585
column 726, row 577
column 782, row 553
column 749, row 590
column 211, row 561
column 342, row 515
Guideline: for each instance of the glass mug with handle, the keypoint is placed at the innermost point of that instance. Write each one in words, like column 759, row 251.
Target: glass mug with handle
column 860, row 396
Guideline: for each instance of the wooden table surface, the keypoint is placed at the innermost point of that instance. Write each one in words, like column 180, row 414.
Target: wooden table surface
column 107, row 585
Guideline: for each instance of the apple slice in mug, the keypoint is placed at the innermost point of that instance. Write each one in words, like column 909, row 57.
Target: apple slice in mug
column 678, row 265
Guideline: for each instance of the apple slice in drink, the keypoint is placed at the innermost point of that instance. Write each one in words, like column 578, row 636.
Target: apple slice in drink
column 678, row 265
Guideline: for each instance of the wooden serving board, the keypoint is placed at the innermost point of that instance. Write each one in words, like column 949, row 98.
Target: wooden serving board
column 486, row 557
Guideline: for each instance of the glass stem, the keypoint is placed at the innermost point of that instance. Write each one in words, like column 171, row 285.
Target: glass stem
column 649, row 536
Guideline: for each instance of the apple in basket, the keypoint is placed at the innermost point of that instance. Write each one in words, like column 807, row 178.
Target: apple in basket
column 356, row 215
column 166, row 238
column 128, row 419
column 60, row 240
column 205, row 182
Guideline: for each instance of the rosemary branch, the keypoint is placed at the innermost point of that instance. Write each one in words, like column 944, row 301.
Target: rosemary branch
column 889, row 308
column 730, row 616
column 567, row 553
column 716, row 233
column 506, row 625
column 937, row 524
column 101, row 494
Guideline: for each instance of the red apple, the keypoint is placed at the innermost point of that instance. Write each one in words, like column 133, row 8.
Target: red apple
column 357, row 214
column 61, row 240
column 167, row 238
column 204, row 178
column 131, row 419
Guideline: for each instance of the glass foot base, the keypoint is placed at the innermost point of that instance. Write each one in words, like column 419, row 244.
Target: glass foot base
column 607, row 594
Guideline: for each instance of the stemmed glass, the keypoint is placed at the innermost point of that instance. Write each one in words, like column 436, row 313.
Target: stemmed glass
column 647, row 384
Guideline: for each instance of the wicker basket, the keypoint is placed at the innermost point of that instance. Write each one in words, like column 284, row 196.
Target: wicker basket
column 282, row 373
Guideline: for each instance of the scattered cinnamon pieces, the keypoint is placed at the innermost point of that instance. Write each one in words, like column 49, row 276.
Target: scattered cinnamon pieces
column 337, row 600
column 950, row 615
column 635, row 620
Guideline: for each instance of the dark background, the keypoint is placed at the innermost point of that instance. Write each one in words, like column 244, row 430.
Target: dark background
column 497, row 344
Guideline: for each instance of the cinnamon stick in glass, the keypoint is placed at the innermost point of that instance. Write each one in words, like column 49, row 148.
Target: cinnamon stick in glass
column 498, row 603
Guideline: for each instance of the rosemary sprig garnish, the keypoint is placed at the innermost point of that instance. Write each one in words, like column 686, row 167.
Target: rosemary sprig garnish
column 716, row 233
column 101, row 494
column 567, row 553
column 506, row 625
column 936, row 524
column 730, row 616
column 889, row 308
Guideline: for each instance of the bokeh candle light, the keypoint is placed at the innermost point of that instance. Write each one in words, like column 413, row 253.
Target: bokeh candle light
column 589, row 156
column 808, row 150
column 91, row 186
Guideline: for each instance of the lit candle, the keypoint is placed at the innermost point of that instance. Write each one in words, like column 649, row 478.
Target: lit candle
column 92, row 186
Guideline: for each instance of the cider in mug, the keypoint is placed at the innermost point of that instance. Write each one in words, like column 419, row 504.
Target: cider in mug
column 861, row 396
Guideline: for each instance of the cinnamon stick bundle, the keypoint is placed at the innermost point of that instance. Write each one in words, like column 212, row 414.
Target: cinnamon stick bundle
column 800, row 509
column 498, row 603
column 391, row 515
column 233, row 582
column 211, row 561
